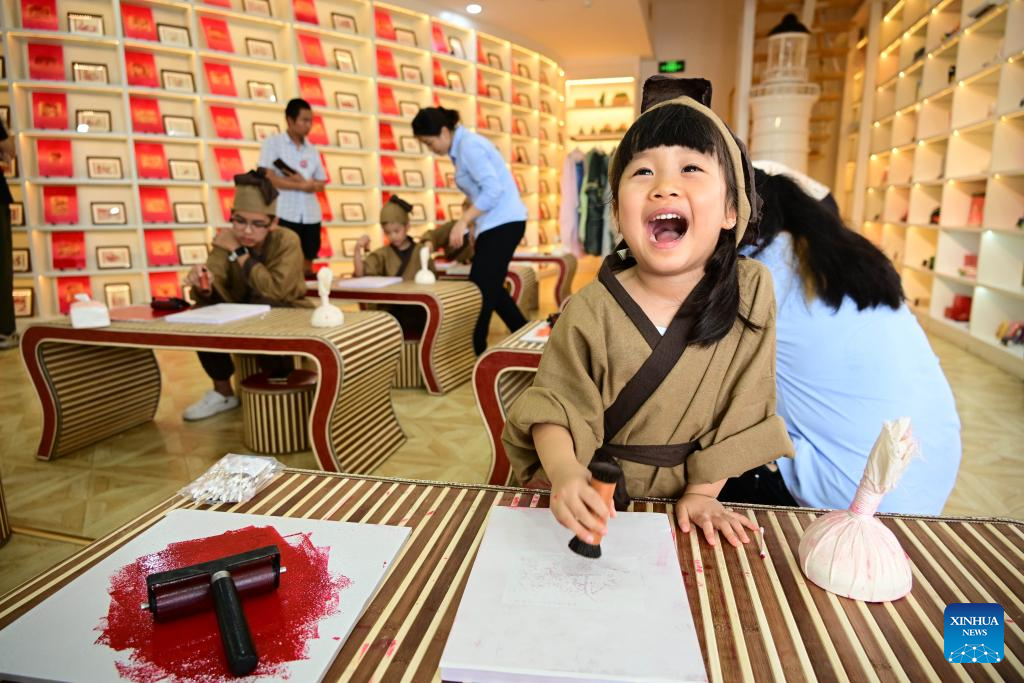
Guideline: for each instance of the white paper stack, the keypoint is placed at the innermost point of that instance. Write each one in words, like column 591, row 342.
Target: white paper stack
column 218, row 314
column 535, row 611
column 368, row 282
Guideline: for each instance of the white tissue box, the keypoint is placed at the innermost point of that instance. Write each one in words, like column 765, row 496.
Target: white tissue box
column 89, row 314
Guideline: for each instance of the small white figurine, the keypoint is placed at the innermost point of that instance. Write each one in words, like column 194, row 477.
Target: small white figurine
column 326, row 314
column 424, row 276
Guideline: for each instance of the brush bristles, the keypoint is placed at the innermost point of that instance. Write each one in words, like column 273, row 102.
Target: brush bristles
column 584, row 549
column 605, row 472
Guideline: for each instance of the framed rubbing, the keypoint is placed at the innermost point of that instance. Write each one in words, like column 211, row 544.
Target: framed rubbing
column 91, row 24
column 113, row 257
column 411, row 74
column 183, row 126
column 189, row 212
column 262, row 131
column 21, row 259
column 185, row 169
column 170, row 34
column 347, row 101
column 192, row 254
column 412, row 178
column 262, row 49
column 108, row 213
column 104, row 168
column 343, row 22
column 84, row 72
column 117, row 294
column 350, row 175
column 177, row 81
column 353, row 213
column 349, row 139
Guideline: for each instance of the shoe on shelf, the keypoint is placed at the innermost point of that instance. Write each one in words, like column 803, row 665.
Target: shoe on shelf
column 212, row 403
column 9, row 341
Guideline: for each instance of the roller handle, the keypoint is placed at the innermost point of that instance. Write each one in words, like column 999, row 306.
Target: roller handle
column 234, row 629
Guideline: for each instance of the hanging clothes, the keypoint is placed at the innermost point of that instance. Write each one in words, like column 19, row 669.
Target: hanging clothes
column 568, row 214
column 593, row 196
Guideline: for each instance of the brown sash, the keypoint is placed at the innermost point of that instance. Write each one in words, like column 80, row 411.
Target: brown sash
column 666, row 350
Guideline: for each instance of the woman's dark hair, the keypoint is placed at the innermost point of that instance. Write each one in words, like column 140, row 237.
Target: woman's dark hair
column 295, row 107
column 715, row 301
column 834, row 262
column 430, row 120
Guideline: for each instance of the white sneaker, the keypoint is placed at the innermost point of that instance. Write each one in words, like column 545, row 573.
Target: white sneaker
column 210, row 404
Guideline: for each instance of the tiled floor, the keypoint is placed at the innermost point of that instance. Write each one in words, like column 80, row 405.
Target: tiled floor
column 95, row 490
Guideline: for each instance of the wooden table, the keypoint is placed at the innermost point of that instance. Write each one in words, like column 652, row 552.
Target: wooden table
column 564, row 263
column 446, row 354
column 94, row 383
column 520, row 281
column 756, row 620
column 500, row 375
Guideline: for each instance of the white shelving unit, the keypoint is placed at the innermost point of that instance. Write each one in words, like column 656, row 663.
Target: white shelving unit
column 599, row 111
column 452, row 62
column 942, row 148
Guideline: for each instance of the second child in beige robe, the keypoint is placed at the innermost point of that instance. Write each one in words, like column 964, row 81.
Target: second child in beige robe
column 722, row 396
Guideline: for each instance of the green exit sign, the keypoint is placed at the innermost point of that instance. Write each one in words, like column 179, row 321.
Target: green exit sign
column 672, row 66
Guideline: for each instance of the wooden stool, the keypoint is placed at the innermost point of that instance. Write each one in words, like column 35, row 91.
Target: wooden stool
column 275, row 412
column 407, row 374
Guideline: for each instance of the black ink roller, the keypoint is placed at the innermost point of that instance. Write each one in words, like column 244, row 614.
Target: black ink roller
column 219, row 583
column 603, row 477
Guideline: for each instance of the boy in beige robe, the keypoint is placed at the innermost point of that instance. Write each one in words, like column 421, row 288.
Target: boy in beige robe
column 399, row 258
column 664, row 367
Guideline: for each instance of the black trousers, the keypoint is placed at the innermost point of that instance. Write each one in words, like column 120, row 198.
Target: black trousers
column 759, row 485
column 309, row 236
column 6, row 272
column 220, row 367
column 494, row 250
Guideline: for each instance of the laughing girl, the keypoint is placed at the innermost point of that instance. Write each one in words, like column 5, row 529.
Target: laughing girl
column 666, row 364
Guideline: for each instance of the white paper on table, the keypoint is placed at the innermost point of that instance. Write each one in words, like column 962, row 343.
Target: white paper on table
column 368, row 282
column 218, row 313
column 56, row 640
column 539, row 333
column 535, row 611
column 453, row 268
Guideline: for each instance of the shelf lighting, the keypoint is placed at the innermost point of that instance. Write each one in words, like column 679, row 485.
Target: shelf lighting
column 956, row 133
column 920, row 143
column 474, row 8
column 996, row 176
column 874, row 157
column 903, row 74
column 877, row 124
column 894, row 150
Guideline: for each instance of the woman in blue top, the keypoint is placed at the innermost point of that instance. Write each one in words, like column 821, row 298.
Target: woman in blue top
column 499, row 214
column 850, row 354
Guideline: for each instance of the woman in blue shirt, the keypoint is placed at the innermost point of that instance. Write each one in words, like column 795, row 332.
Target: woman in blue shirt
column 850, row 354
column 499, row 214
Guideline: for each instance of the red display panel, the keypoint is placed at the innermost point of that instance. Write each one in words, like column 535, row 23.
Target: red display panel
column 229, row 162
column 218, row 37
column 225, row 123
column 138, row 22
column 155, row 205
column 68, row 287
column 67, row 250
column 45, row 62
column 141, row 70
column 146, row 115
column 39, row 14
column 219, row 79
column 54, row 158
column 150, row 160
column 60, row 204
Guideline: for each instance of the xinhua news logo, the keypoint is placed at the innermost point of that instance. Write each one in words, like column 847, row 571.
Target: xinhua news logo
column 973, row 633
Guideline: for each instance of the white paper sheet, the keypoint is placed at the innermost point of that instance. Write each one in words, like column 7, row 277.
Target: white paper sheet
column 56, row 640
column 368, row 282
column 535, row 611
column 218, row 313
column 540, row 333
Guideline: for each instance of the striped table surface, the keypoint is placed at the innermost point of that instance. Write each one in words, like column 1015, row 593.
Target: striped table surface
column 565, row 263
column 756, row 620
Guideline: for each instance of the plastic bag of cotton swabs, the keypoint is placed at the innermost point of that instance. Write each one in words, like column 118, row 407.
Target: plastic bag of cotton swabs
column 233, row 479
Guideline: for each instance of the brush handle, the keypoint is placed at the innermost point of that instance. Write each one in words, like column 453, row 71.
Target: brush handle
column 234, row 629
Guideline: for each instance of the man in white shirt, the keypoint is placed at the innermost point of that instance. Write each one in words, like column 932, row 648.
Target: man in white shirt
column 295, row 169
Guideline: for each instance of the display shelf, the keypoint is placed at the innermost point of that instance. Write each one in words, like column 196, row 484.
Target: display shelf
column 514, row 69
column 946, row 117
